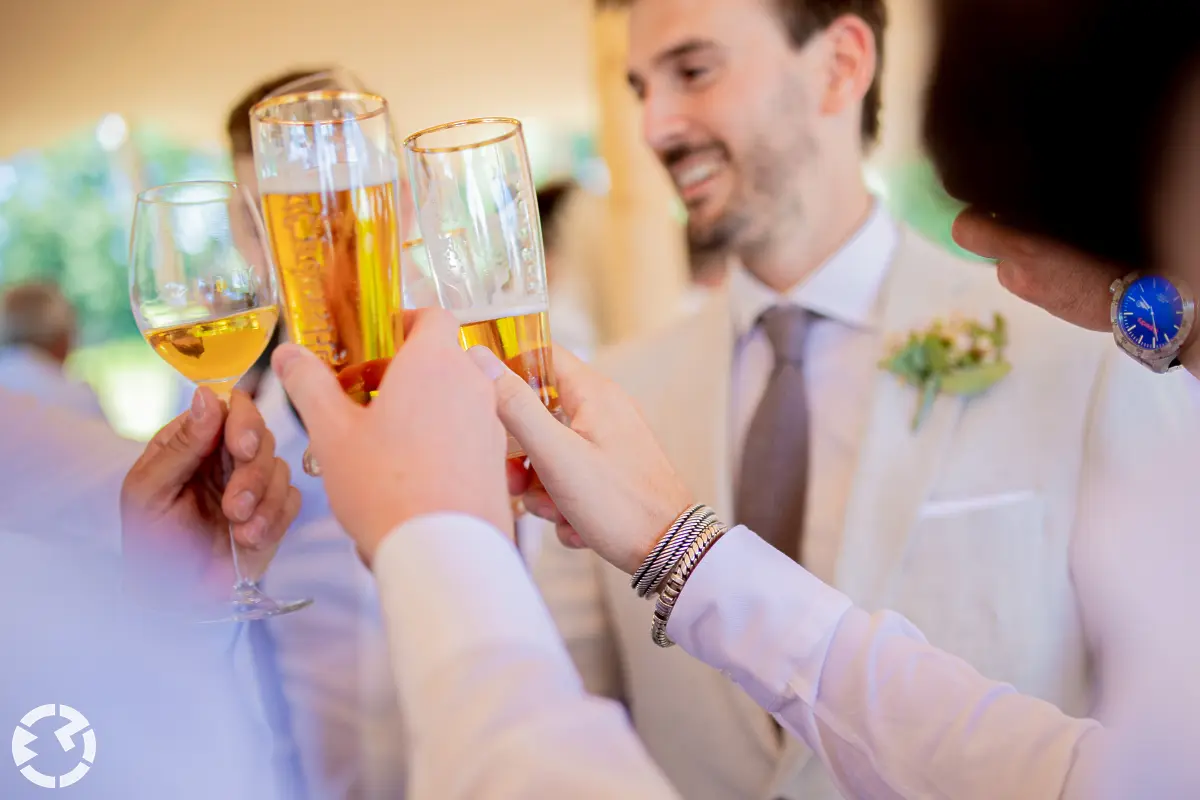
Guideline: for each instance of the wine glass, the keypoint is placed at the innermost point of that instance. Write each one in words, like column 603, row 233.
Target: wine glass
column 203, row 293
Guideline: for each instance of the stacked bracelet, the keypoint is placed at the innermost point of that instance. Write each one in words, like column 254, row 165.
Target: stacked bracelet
column 670, row 548
column 678, row 577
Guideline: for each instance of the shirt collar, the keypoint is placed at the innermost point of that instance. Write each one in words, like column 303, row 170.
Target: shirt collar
column 846, row 287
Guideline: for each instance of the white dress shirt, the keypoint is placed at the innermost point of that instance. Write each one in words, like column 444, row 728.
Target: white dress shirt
column 840, row 355
column 496, row 708
column 26, row 370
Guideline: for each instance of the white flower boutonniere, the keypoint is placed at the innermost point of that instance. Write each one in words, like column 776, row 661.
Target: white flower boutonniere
column 959, row 357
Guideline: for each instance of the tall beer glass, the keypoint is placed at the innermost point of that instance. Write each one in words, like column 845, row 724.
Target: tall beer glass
column 477, row 211
column 329, row 179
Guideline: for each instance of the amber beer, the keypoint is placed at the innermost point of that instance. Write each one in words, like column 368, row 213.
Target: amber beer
column 520, row 337
column 338, row 256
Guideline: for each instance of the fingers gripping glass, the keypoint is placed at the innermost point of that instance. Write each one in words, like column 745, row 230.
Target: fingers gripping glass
column 482, row 241
column 328, row 176
column 203, row 293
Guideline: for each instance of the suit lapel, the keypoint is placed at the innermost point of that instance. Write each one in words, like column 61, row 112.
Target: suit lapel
column 897, row 465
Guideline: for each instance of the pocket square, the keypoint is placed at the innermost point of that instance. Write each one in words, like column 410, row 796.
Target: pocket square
column 953, row 506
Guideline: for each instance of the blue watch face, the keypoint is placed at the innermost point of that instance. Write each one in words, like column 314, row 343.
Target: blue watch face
column 1151, row 312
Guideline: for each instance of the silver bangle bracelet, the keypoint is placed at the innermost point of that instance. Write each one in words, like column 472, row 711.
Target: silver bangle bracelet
column 654, row 562
column 662, row 543
column 678, row 578
column 653, row 580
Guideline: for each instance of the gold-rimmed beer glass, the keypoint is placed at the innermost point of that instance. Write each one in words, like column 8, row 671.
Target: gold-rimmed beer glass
column 329, row 180
column 477, row 212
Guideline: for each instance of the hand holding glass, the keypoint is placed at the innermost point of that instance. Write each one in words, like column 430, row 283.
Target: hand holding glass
column 203, row 293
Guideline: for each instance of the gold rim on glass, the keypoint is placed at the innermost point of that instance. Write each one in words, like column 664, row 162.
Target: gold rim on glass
column 167, row 193
column 410, row 140
column 261, row 111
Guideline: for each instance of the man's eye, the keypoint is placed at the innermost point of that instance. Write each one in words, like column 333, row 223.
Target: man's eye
column 693, row 73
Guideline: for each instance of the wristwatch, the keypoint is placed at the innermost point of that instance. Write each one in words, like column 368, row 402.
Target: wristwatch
column 1152, row 316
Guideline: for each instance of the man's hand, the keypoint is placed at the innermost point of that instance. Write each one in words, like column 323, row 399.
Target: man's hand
column 1069, row 284
column 604, row 481
column 175, row 502
column 429, row 442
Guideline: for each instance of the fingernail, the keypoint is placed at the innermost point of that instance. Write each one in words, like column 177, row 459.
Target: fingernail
column 487, row 362
column 243, row 506
column 249, row 444
column 255, row 531
column 283, row 356
column 198, row 404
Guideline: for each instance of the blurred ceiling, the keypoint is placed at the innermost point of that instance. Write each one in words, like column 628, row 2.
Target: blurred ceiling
column 182, row 63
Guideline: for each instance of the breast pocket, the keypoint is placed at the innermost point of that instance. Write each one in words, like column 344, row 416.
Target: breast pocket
column 984, row 580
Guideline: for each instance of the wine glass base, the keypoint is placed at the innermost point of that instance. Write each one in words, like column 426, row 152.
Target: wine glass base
column 251, row 604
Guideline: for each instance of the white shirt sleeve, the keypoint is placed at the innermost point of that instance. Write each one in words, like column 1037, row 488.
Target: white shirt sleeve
column 493, row 705
column 888, row 714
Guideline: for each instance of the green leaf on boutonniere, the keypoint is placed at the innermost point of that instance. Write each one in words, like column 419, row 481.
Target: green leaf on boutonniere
column 975, row 380
column 960, row 357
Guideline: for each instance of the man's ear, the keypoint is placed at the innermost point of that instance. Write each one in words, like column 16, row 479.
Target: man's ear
column 852, row 61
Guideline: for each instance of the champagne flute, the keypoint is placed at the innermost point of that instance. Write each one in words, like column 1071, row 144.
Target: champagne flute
column 477, row 211
column 203, row 293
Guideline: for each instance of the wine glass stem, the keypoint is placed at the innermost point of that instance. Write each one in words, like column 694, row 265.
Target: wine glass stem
column 241, row 583
column 245, row 589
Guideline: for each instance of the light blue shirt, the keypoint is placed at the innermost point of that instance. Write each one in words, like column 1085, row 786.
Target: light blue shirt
column 168, row 713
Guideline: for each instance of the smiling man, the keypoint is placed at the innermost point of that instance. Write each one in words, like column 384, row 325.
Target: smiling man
column 772, row 405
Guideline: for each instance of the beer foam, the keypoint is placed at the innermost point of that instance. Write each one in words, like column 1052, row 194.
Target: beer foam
column 296, row 179
column 469, row 316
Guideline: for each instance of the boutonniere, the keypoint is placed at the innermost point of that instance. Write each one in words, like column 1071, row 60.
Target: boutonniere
column 959, row 357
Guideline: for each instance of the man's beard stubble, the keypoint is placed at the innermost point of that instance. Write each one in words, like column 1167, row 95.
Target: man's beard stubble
column 765, row 198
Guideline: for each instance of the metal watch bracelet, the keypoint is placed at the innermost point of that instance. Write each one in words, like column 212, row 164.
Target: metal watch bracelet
column 678, row 578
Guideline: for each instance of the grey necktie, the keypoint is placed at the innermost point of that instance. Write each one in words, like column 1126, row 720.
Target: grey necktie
column 774, row 476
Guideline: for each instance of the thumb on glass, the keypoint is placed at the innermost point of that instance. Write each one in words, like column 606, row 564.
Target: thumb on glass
column 313, row 389
column 521, row 410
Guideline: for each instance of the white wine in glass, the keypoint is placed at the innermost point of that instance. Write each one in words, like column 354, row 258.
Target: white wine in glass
column 203, row 292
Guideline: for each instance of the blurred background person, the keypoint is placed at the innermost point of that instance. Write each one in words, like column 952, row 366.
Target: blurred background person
column 325, row 676
column 37, row 333
column 772, row 399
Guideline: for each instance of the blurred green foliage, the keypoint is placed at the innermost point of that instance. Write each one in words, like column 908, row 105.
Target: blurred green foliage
column 913, row 193
column 66, row 212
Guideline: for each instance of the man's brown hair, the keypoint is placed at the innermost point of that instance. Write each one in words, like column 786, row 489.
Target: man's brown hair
column 237, row 126
column 802, row 19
